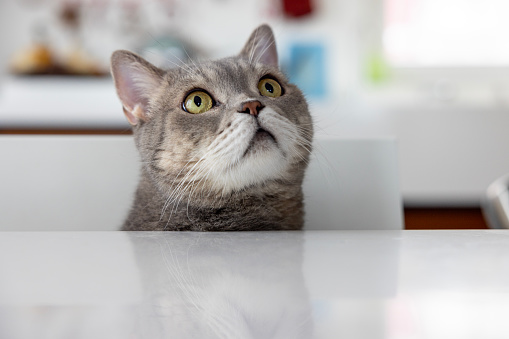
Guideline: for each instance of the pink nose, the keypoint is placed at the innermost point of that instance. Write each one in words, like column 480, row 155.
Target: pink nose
column 251, row 107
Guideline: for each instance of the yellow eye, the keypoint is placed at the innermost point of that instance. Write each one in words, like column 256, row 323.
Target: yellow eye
column 198, row 102
column 270, row 88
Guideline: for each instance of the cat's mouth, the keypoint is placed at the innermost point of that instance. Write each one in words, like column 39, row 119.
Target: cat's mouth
column 262, row 139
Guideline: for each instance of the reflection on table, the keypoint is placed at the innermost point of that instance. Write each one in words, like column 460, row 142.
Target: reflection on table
column 315, row 284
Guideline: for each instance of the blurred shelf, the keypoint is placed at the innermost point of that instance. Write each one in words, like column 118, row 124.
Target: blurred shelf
column 65, row 131
column 46, row 102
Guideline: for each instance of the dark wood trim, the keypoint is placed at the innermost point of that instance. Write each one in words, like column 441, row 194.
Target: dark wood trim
column 66, row 131
column 444, row 218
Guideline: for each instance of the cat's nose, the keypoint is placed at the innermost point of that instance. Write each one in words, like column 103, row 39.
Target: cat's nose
column 251, row 107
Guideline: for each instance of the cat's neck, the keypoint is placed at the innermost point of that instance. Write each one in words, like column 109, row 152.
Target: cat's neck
column 275, row 205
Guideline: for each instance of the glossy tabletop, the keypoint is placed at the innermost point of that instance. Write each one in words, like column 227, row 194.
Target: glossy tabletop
column 315, row 284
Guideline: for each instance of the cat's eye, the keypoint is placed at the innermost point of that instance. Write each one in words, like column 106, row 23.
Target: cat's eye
column 198, row 102
column 270, row 88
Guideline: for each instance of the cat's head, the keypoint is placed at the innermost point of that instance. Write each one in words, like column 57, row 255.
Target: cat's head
column 216, row 126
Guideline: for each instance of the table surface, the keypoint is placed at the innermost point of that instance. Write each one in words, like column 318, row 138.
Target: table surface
column 314, row 284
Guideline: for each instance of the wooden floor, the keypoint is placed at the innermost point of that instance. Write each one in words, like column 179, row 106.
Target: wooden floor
column 444, row 218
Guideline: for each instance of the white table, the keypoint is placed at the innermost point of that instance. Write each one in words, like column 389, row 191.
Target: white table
column 315, row 284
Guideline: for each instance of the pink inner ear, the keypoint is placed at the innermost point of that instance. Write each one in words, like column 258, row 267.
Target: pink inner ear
column 129, row 93
column 269, row 57
column 130, row 117
column 132, row 102
column 261, row 47
column 135, row 81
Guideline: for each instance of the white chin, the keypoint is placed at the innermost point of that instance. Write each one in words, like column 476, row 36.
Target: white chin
column 262, row 161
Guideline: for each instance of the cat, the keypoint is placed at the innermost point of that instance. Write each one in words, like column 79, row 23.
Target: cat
column 224, row 144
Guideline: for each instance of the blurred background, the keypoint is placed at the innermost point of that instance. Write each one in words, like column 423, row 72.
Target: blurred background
column 432, row 73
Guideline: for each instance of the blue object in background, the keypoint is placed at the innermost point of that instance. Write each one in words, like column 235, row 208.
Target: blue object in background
column 306, row 68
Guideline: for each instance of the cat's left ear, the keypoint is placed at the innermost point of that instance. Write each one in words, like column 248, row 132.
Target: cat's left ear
column 135, row 80
column 261, row 47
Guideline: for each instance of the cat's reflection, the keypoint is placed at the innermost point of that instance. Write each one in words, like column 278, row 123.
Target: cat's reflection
column 222, row 285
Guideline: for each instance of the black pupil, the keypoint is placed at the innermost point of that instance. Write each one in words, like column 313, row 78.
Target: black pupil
column 197, row 100
column 269, row 87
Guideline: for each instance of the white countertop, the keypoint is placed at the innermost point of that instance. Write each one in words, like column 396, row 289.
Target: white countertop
column 315, row 284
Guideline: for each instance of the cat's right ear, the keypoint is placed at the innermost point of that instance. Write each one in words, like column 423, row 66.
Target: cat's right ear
column 135, row 80
column 261, row 47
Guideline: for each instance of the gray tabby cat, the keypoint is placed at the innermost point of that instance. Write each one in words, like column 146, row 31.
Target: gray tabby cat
column 224, row 144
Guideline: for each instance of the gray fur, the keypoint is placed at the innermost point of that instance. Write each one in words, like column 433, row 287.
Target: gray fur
column 206, row 172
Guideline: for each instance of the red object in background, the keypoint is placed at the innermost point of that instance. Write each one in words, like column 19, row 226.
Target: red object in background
column 296, row 8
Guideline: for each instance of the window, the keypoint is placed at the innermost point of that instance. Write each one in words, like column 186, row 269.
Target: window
column 446, row 33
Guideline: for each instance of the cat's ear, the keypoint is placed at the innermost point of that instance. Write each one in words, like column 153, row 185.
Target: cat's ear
column 261, row 47
column 135, row 80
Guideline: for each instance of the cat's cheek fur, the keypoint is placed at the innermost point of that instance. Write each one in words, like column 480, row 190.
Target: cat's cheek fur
column 281, row 128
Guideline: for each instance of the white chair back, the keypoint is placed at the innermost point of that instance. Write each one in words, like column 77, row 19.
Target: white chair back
column 86, row 183
column 353, row 184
